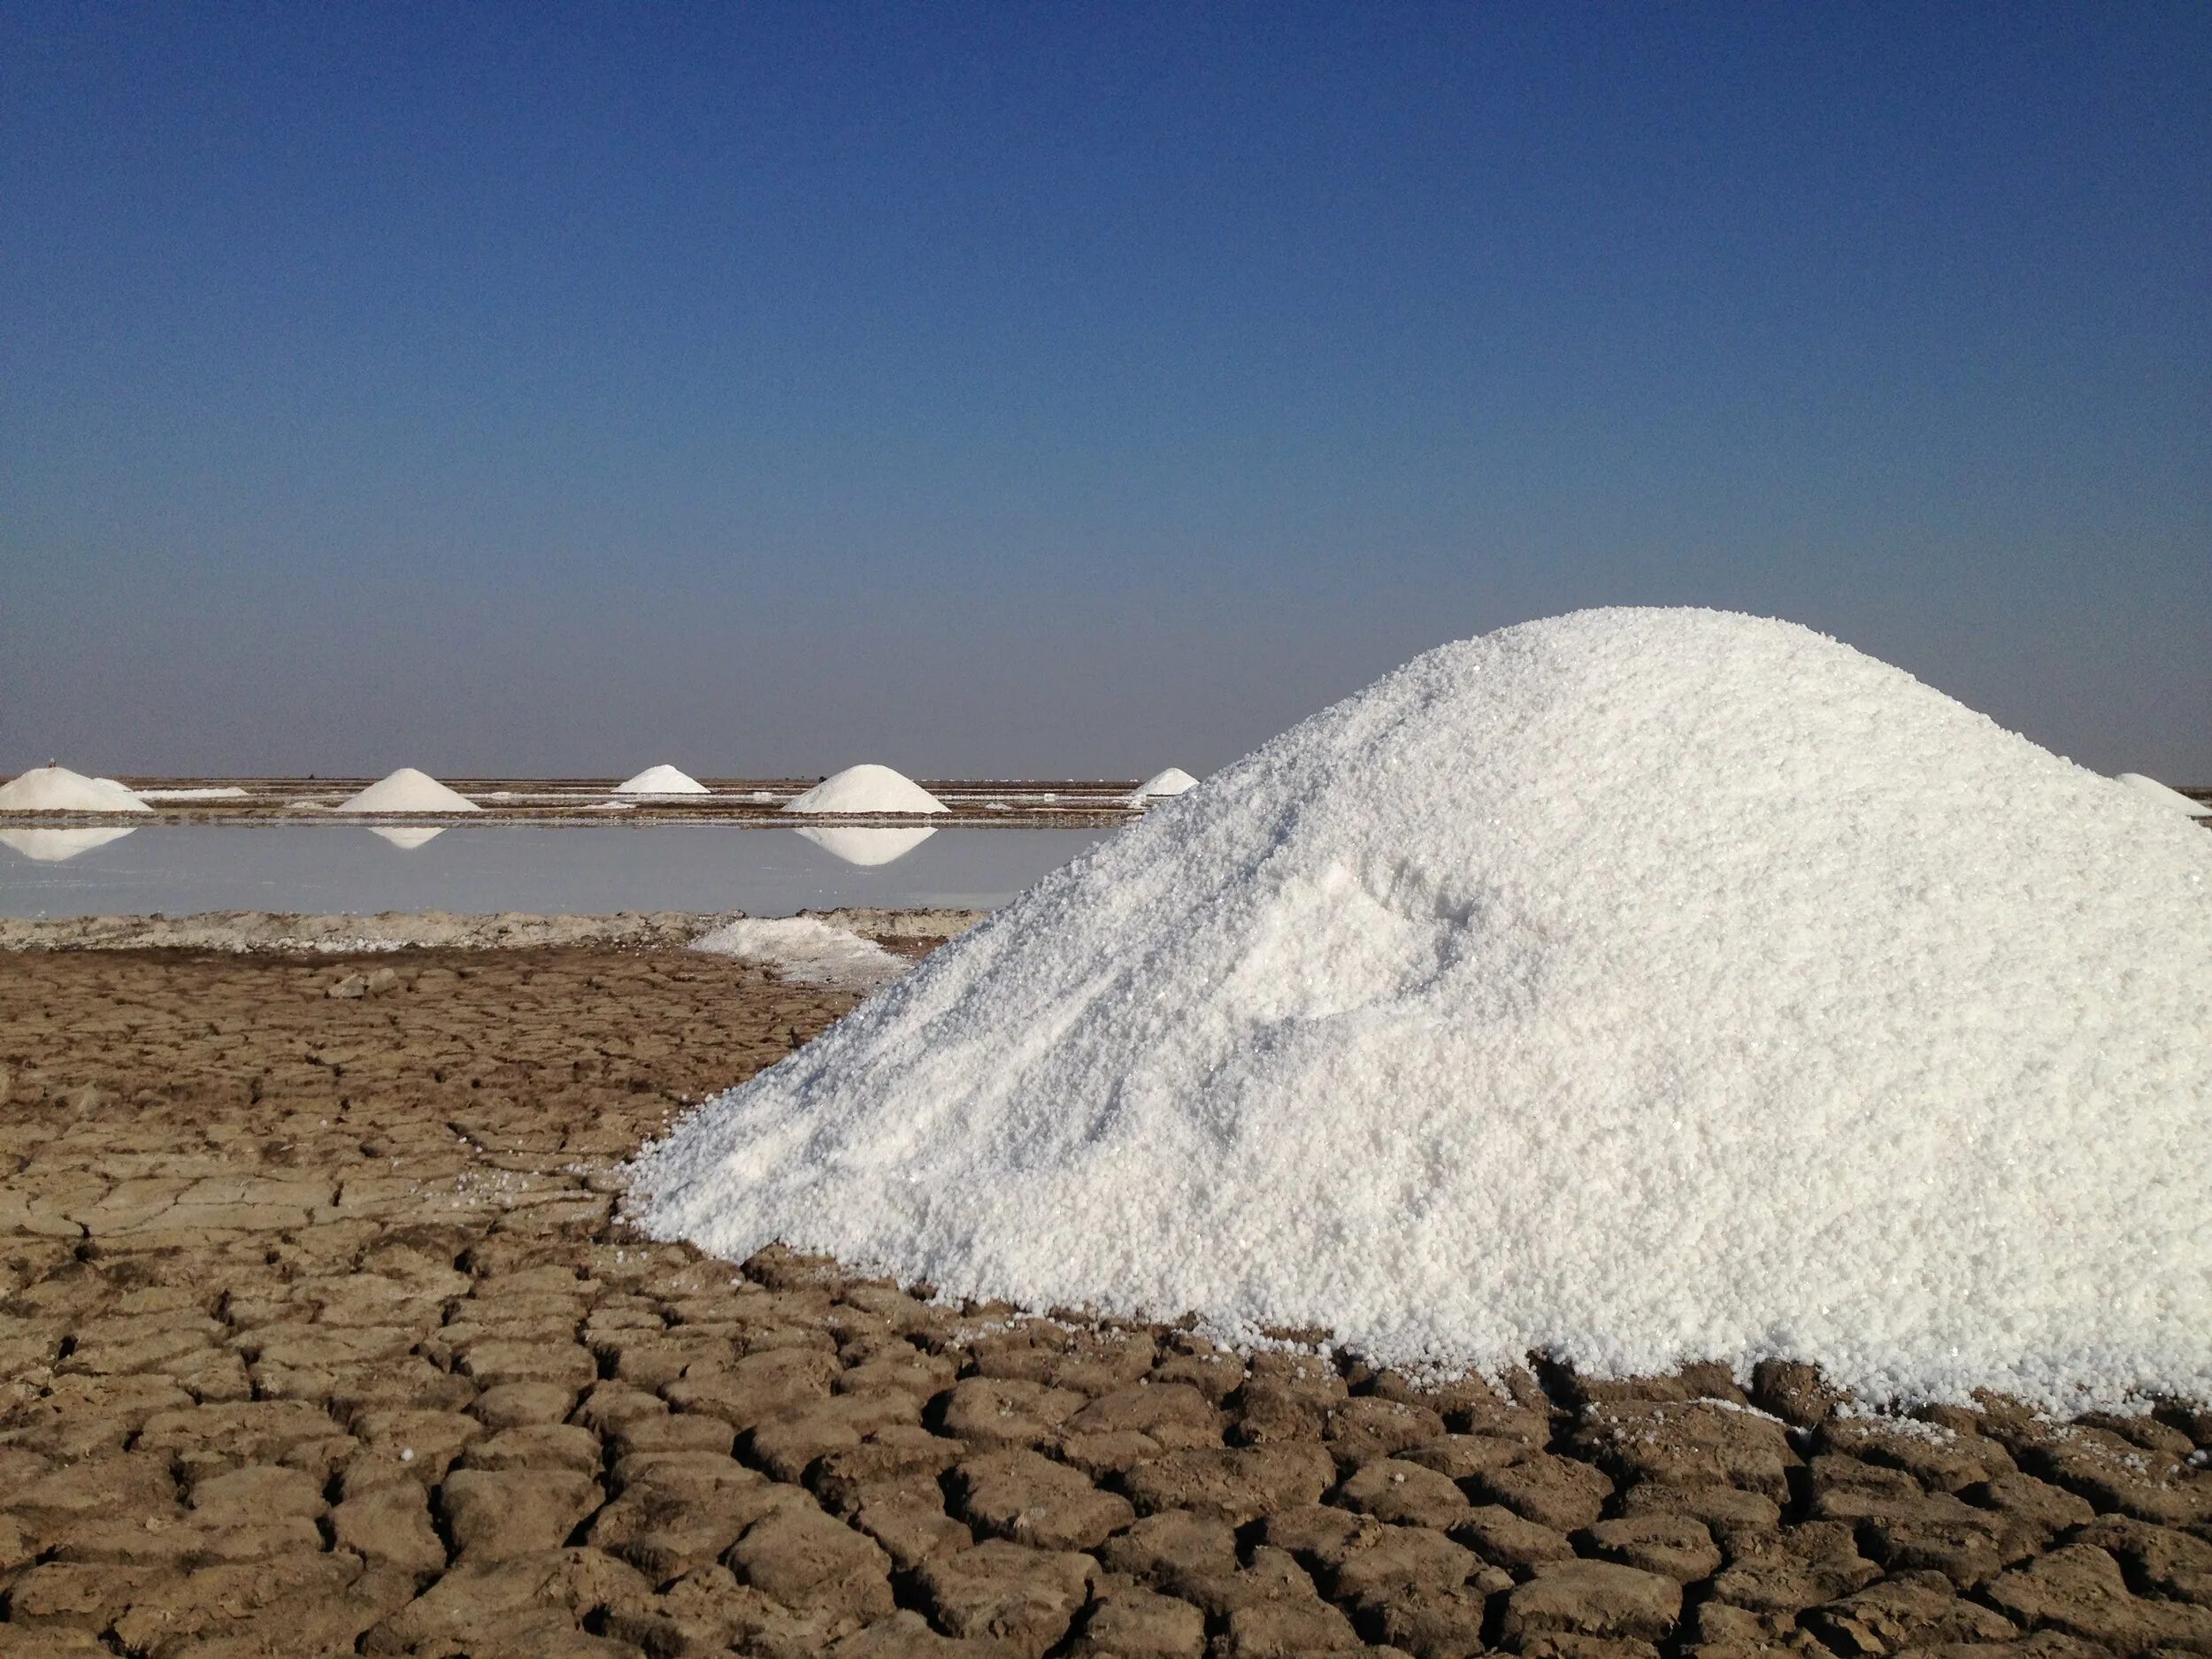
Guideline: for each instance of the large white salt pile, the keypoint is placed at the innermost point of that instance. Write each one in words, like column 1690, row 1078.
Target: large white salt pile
column 407, row 790
column 1639, row 986
column 1173, row 781
column 662, row 781
column 58, row 789
column 2150, row 789
column 866, row 788
column 867, row 847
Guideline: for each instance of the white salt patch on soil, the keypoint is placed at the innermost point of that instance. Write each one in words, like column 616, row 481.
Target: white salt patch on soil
column 805, row 951
column 58, row 845
column 224, row 792
column 867, row 847
column 1639, row 986
column 662, row 781
column 58, row 789
column 408, row 790
column 1174, row 780
column 2152, row 789
column 866, row 788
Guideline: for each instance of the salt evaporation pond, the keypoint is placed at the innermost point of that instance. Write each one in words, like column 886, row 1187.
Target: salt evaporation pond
column 480, row 870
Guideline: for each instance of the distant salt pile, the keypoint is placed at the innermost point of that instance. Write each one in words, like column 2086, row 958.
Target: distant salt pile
column 408, row 790
column 867, row 847
column 662, row 781
column 58, row 789
column 1639, row 986
column 2150, row 789
column 1173, row 781
column 217, row 792
column 866, row 789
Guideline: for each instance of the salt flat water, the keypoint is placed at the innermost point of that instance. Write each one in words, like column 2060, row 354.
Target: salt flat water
column 355, row 869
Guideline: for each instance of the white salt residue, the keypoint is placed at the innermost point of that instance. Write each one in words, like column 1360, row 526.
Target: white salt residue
column 58, row 789
column 58, row 845
column 1173, row 781
column 2151, row 789
column 866, row 789
column 611, row 806
column 1642, row 986
column 408, row 790
column 661, row 780
column 217, row 792
column 855, row 845
column 806, row 951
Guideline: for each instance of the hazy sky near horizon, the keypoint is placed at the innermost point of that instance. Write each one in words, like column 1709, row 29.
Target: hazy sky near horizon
column 1074, row 390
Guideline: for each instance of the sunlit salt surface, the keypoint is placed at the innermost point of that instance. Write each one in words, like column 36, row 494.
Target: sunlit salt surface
column 480, row 870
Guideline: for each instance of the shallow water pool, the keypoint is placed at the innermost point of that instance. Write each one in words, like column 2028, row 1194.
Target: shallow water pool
column 478, row 870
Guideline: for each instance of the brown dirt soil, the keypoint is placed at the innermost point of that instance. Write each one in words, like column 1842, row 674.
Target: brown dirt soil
column 318, row 1336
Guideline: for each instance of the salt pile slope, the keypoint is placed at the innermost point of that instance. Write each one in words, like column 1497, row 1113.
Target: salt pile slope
column 1639, row 986
column 866, row 788
column 407, row 790
column 58, row 789
column 662, row 781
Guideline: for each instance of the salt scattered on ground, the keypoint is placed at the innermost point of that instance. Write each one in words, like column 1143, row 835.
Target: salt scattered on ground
column 58, row 789
column 408, row 790
column 58, row 845
column 1174, row 780
column 806, row 951
column 2152, row 789
column 221, row 792
column 867, row 847
column 661, row 780
column 866, row 788
column 1639, row 986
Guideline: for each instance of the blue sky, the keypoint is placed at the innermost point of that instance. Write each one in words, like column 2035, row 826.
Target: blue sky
column 1072, row 390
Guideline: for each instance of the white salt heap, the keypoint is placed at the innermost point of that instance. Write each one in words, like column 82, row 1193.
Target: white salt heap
column 1640, row 986
column 2150, row 789
column 806, row 951
column 662, row 781
column 866, row 789
column 58, row 789
column 1174, row 780
column 408, row 790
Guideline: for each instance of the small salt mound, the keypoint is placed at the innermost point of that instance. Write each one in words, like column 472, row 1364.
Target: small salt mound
column 408, row 790
column 406, row 839
column 806, row 951
column 662, row 781
column 1638, row 987
column 867, row 847
column 2157, row 791
column 58, row 845
column 1174, row 780
column 866, row 789
column 224, row 792
column 58, row 789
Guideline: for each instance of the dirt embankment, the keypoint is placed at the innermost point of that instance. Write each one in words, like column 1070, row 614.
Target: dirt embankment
column 318, row 1334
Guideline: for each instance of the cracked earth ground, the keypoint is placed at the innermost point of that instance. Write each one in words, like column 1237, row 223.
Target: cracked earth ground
column 319, row 1335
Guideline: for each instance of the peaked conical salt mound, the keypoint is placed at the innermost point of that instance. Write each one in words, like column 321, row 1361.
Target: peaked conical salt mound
column 58, row 789
column 1173, row 781
column 2152, row 789
column 662, row 781
column 408, row 790
column 1639, row 986
column 866, row 789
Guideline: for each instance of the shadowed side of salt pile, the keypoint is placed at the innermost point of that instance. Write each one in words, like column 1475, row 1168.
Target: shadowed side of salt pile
column 1642, row 987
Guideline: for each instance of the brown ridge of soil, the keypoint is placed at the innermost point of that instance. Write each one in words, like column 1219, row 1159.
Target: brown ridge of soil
column 318, row 1334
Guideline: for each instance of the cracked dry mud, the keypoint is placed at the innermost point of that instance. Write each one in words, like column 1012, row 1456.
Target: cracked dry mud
column 318, row 1335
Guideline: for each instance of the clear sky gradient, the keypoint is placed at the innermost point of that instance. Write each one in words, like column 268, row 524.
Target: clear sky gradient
column 1074, row 390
